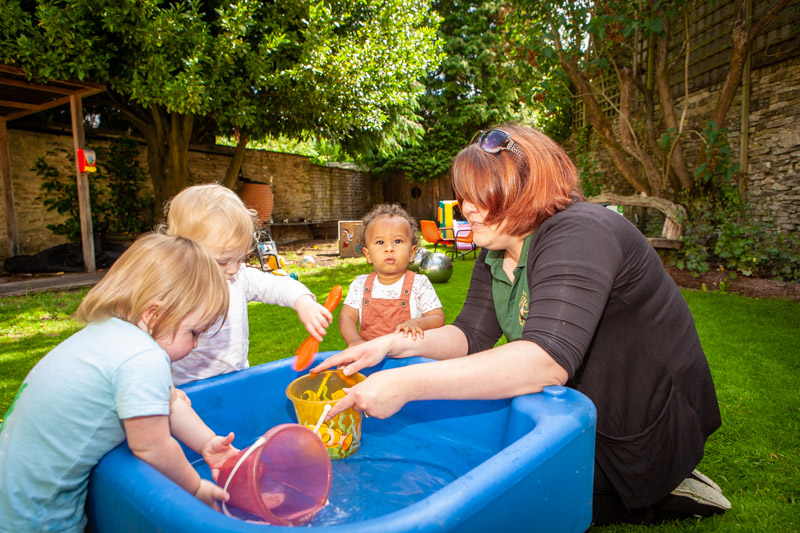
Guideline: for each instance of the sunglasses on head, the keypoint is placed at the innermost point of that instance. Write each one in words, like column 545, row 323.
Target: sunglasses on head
column 495, row 141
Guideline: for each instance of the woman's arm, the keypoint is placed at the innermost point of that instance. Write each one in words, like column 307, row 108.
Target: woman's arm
column 440, row 343
column 513, row 369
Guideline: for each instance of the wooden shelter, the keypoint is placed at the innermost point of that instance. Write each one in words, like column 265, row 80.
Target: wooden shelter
column 20, row 97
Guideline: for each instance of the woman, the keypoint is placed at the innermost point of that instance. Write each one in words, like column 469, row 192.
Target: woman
column 583, row 301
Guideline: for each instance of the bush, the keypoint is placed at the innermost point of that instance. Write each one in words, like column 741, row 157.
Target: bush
column 722, row 231
column 739, row 243
column 115, row 193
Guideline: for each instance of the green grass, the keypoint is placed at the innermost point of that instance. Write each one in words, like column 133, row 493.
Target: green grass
column 752, row 348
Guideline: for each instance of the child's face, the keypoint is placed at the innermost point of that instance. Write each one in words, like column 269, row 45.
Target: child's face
column 388, row 245
column 228, row 259
column 184, row 339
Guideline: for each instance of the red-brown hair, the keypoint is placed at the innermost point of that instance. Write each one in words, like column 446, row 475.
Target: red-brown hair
column 521, row 191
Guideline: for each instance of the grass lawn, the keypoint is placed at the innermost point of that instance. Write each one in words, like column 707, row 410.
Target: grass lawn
column 752, row 347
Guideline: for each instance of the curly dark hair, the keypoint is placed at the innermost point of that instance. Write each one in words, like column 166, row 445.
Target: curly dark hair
column 391, row 210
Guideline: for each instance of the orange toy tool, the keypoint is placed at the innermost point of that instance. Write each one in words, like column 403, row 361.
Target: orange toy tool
column 306, row 351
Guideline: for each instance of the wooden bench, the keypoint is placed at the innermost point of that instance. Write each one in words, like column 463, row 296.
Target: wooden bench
column 674, row 215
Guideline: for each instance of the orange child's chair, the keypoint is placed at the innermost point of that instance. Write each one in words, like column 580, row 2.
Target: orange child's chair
column 432, row 233
column 464, row 236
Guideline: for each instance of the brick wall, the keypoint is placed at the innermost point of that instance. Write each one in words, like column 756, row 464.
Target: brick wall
column 301, row 190
column 772, row 180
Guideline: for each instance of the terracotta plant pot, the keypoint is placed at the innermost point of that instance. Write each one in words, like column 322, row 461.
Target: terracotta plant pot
column 258, row 196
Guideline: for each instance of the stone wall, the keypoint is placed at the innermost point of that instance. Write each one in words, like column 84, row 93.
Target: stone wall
column 772, row 179
column 302, row 191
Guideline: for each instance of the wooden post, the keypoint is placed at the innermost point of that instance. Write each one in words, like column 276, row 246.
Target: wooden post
column 8, row 191
column 84, row 205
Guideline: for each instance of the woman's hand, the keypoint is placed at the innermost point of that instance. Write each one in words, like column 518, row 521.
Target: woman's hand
column 314, row 316
column 217, row 451
column 210, row 494
column 355, row 358
column 380, row 395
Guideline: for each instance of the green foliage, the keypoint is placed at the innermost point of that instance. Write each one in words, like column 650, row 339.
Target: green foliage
column 328, row 70
column 586, row 163
column 130, row 209
column 115, row 191
column 722, row 230
column 482, row 81
column 60, row 194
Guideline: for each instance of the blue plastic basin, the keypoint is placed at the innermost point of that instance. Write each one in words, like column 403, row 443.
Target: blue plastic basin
column 434, row 466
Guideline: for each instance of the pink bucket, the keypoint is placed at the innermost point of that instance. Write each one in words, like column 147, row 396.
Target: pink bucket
column 284, row 478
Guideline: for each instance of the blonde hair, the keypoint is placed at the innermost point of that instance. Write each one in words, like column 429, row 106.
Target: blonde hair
column 521, row 191
column 174, row 272
column 211, row 214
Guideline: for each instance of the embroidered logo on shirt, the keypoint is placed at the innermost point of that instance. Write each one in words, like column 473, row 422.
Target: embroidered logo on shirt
column 523, row 308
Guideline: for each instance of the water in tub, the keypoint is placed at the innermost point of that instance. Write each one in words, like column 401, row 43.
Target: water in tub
column 395, row 467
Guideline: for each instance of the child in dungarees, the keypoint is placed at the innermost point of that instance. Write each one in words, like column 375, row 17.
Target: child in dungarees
column 217, row 218
column 110, row 382
column 392, row 298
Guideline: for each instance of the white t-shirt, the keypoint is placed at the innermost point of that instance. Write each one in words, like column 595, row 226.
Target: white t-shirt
column 67, row 415
column 423, row 296
column 223, row 350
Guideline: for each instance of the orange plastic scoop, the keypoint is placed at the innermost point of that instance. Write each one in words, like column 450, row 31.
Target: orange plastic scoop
column 305, row 353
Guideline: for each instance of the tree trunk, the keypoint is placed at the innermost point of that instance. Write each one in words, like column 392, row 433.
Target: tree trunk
column 167, row 136
column 236, row 161
column 599, row 122
column 667, row 107
column 742, row 40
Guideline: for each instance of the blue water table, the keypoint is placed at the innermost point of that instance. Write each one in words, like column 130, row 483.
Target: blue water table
column 500, row 465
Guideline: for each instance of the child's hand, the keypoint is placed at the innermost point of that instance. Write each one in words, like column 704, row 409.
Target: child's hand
column 216, row 451
column 209, row 494
column 314, row 316
column 411, row 327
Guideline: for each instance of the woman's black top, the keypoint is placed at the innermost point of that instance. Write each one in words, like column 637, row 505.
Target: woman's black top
column 604, row 308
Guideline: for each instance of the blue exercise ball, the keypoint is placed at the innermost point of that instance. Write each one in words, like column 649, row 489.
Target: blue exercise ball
column 437, row 266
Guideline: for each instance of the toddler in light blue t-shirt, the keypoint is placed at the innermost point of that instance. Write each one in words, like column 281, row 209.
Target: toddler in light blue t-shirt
column 111, row 382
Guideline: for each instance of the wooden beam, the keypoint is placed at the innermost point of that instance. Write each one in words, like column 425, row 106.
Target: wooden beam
column 19, row 105
column 8, row 191
column 84, row 205
column 36, row 86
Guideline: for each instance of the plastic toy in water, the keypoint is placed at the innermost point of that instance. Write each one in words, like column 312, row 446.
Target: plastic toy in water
column 437, row 266
column 284, row 478
column 311, row 394
column 525, row 463
column 309, row 347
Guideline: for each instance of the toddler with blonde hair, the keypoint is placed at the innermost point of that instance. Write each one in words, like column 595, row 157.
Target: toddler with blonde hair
column 111, row 382
column 216, row 217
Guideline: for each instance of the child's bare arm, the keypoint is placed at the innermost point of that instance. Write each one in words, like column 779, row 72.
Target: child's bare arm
column 348, row 325
column 186, row 426
column 149, row 439
column 313, row 315
column 416, row 326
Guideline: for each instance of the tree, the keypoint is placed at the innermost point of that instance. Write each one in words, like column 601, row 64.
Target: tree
column 250, row 67
column 596, row 44
column 482, row 81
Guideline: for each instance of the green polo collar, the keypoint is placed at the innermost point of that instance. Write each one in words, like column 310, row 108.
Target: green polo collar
column 511, row 300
